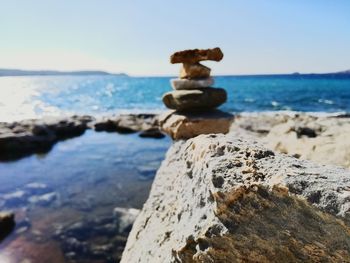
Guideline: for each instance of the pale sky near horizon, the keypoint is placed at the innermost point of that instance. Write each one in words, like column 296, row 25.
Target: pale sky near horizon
column 137, row 37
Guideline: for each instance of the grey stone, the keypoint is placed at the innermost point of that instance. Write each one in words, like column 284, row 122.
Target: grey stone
column 197, row 99
column 219, row 198
column 180, row 84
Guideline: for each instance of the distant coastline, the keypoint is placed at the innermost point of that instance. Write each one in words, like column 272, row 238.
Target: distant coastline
column 19, row 72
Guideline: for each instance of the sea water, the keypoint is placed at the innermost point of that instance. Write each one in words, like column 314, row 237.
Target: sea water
column 31, row 97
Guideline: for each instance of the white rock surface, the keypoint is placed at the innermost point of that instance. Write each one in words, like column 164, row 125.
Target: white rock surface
column 219, row 198
column 180, row 84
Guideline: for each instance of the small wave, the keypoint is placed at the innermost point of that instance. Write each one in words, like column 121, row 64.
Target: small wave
column 292, row 113
column 249, row 100
column 330, row 102
column 274, row 103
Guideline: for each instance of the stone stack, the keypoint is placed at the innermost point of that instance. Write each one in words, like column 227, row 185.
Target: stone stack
column 192, row 90
column 193, row 98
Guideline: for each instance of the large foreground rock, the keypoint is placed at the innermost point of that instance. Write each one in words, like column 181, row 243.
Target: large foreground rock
column 189, row 125
column 197, row 99
column 217, row 198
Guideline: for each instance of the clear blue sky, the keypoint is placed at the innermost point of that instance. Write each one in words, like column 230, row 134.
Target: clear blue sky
column 137, row 37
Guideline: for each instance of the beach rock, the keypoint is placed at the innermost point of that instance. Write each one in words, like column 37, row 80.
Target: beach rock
column 7, row 224
column 198, row 99
column 194, row 71
column 127, row 123
column 193, row 56
column 19, row 139
column 180, row 84
column 152, row 133
column 219, row 198
column 187, row 125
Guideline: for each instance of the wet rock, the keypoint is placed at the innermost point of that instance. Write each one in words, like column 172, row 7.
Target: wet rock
column 19, row 139
column 7, row 224
column 194, row 71
column 196, row 99
column 188, row 125
column 38, row 136
column 193, row 56
column 126, row 123
column 152, row 133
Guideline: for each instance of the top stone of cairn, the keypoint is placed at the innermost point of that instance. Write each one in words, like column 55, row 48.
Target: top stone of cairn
column 193, row 56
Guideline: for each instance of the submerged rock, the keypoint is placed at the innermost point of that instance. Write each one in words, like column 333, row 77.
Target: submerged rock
column 195, row 99
column 188, row 125
column 218, row 198
column 7, row 224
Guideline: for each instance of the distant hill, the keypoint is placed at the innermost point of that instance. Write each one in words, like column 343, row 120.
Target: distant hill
column 18, row 72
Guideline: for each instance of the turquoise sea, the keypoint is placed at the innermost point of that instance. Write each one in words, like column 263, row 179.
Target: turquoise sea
column 30, row 97
column 85, row 178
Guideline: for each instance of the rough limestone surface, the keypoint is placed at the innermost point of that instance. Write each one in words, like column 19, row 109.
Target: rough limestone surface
column 188, row 125
column 203, row 98
column 322, row 139
column 220, row 198
column 193, row 56
column 194, row 71
column 179, row 84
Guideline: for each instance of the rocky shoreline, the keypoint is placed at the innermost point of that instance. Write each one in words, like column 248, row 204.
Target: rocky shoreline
column 20, row 139
column 321, row 139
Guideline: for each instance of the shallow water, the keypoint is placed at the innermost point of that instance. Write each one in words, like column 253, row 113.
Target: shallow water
column 88, row 177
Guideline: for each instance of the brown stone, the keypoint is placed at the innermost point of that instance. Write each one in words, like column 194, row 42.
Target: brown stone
column 188, row 125
column 194, row 71
column 193, row 56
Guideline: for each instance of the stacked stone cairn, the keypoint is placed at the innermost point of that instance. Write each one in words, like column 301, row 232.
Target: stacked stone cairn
column 192, row 90
column 194, row 101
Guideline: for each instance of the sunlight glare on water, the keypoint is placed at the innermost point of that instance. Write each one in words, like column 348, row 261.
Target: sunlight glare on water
column 19, row 100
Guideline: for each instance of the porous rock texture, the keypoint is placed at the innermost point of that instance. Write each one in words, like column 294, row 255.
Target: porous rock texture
column 218, row 198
